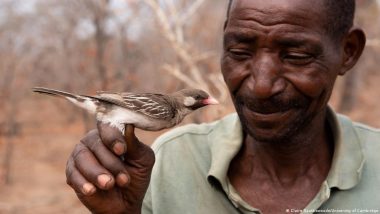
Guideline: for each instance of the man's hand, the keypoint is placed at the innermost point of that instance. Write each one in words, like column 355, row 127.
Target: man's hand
column 102, row 181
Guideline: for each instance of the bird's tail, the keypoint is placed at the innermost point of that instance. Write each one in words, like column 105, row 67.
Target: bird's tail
column 86, row 102
column 53, row 92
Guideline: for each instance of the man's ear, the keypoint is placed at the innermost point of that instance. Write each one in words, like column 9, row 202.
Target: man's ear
column 353, row 45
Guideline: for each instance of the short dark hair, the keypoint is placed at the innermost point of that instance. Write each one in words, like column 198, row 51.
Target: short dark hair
column 340, row 15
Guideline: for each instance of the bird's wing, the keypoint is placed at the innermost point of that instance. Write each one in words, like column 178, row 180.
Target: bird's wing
column 152, row 105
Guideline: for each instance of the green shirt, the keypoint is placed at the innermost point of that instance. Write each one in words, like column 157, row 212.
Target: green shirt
column 190, row 173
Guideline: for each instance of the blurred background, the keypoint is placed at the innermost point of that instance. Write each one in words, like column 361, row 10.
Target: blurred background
column 119, row 45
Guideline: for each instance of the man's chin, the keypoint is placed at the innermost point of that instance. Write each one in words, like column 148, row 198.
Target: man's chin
column 269, row 136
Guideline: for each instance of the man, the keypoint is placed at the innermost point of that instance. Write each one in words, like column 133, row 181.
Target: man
column 284, row 151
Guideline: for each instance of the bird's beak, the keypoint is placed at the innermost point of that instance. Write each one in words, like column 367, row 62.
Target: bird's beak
column 210, row 101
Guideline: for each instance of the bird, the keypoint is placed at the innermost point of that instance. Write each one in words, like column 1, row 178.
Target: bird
column 146, row 111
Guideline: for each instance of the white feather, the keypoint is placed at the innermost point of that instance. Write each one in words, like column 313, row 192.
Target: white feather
column 119, row 116
column 189, row 101
column 88, row 104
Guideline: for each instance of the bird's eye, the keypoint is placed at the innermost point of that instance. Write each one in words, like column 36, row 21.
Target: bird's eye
column 198, row 97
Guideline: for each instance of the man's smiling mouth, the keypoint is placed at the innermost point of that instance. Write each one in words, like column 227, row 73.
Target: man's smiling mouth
column 268, row 116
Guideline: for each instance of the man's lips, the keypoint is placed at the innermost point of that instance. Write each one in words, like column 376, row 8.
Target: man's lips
column 274, row 109
column 267, row 109
column 270, row 106
column 267, row 113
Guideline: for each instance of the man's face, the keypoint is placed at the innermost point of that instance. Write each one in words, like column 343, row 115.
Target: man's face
column 279, row 65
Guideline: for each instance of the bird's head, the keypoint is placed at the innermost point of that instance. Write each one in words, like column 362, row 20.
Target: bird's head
column 193, row 99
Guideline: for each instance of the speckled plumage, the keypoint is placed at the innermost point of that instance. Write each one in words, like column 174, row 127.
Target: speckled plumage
column 147, row 111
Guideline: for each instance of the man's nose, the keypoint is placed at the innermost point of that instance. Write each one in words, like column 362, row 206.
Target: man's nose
column 266, row 76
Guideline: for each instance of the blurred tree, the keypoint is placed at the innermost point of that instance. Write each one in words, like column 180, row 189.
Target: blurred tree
column 10, row 58
column 180, row 25
column 123, row 45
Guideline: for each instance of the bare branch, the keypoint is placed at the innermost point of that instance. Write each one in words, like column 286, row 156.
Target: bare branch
column 190, row 11
column 219, row 84
column 162, row 19
column 176, row 43
column 174, row 70
column 172, row 9
column 204, row 56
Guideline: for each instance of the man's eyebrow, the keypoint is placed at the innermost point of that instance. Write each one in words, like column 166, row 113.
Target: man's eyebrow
column 291, row 42
column 239, row 37
column 299, row 42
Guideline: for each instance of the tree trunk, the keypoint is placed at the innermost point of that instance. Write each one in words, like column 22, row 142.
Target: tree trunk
column 100, row 45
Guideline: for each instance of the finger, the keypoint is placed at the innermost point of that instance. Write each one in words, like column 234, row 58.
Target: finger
column 130, row 138
column 91, row 169
column 77, row 181
column 109, row 161
column 138, row 154
column 112, row 138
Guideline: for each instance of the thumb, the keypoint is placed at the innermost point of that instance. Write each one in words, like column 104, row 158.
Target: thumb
column 112, row 138
column 135, row 149
column 131, row 140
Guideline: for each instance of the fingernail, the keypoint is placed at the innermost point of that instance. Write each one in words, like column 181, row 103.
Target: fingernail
column 119, row 148
column 122, row 179
column 104, row 180
column 88, row 189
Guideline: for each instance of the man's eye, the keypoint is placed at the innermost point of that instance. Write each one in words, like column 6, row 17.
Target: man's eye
column 239, row 54
column 298, row 59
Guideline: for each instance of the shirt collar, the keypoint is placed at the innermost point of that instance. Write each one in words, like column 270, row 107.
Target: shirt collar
column 348, row 159
column 225, row 142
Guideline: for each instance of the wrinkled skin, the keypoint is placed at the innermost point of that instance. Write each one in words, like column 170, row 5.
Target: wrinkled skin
column 96, row 157
column 280, row 67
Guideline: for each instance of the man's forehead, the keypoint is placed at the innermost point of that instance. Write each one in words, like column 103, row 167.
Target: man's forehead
column 275, row 8
column 271, row 12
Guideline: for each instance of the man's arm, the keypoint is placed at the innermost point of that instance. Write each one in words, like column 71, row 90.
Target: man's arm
column 102, row 181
